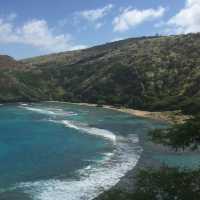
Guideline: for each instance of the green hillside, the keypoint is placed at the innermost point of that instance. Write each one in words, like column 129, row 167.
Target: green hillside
column 152, row 73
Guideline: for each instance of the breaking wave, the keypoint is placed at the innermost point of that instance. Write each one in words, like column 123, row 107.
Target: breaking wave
column 96, row 177
column 48, row 111
column 89, row 130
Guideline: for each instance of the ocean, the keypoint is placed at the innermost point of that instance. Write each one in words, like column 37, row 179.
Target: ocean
column 56, row 151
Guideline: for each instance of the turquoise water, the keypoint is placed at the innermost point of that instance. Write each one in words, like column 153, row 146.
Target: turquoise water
column 184, row 160
column 60, row 151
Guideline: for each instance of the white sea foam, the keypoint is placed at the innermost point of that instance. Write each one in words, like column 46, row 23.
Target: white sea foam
column 93, row 179
column 23, row 104
column 38, row 110
column 81, row 127
column 48, row 111
column 89, row 130
column 96, row 177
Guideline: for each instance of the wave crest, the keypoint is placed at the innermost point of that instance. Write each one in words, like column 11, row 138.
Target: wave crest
column 91, row 130
column 94, row 179
column 48, row 111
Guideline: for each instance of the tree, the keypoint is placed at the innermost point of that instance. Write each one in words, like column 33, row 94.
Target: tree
column 178, row 136
column 167, row 184
column 163, row 184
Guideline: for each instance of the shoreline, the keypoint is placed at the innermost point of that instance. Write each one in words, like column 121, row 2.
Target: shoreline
column 127, row 182
column 166, row 116
column 170, row 117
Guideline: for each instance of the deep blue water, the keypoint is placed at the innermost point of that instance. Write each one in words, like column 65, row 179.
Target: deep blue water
column 56, row 151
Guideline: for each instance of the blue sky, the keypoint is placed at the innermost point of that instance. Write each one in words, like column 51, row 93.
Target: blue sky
column 37, row 27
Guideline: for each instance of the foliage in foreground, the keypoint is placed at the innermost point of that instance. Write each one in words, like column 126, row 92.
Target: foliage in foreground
column 164, row 184
column 167, row 183
column 183, row 136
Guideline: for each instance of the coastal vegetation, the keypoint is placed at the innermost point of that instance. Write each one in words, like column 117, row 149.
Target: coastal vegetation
column 149, row 73
column 167, row 183
column 180, row 136
column 163, row 184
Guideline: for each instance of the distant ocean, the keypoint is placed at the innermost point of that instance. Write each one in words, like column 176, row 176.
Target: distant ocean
column 60, row 151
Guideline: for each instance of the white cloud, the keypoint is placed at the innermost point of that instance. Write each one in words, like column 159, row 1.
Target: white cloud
column 78, row 47
column 117, row 39
column 6, row 32
column 95, row 14
column 37, row 34
column 188, row 19
column 191, row 2
column 130, row 18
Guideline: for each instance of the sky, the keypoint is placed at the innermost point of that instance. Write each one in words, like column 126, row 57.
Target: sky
column 37, row 27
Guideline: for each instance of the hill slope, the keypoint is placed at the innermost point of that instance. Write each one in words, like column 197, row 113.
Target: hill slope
column 152, row 73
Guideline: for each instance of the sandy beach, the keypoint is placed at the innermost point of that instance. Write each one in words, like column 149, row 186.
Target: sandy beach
column 127, row 183
column 167, row 116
